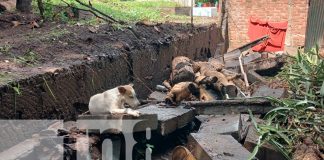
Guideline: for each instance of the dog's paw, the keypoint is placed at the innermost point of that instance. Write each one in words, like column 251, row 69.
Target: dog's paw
column 135, row 113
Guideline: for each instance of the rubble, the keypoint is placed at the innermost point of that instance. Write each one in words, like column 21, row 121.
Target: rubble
column 234, row 106
column 148, row 120
column 169, row 119
column 211, row 146
column 265, row 91
column 223, row 124
column 266, row 151
column 254, row 77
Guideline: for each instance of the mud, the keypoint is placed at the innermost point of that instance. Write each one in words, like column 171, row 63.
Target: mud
column 75, row 63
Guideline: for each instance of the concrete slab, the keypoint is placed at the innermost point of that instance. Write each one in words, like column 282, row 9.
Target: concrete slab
column 20, row 150
column 223, row 124
column 115, row 123
column 211, row 146
column 233, row 106
column 169, row 119
column 266, row 151
column 265, row 91
column 158, row 96
column 251, row 57
column 255, row 77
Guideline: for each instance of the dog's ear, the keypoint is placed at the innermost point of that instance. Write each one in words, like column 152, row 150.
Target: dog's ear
column 122, row 90
column 131, row 84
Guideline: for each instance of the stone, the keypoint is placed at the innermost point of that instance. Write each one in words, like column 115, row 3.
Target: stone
column 255, row 77
column 158, row 96
column 265, row 91
column 266, row 151
column 170, row 119
column 223, row 124
column 251, row 57
column 212, row 146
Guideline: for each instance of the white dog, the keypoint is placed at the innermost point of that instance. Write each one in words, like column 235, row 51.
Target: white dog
column 113, row 100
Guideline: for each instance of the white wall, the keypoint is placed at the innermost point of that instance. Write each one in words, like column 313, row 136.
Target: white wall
column 184, row 3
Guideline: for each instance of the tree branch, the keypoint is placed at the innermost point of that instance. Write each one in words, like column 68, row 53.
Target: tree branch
column 96, row 10
column 91, row 11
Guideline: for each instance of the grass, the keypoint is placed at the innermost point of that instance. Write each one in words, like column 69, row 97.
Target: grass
column 302, row 115
column 56, row 33
column 30, row 58
column 5, row 49
column 130, row 11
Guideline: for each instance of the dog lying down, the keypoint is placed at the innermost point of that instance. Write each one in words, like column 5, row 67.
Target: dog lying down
column 113, row 100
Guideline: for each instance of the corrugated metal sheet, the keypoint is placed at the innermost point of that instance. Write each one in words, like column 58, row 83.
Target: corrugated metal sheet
column 315, row 24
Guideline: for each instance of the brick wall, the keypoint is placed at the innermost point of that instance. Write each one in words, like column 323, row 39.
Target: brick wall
column 293, row 11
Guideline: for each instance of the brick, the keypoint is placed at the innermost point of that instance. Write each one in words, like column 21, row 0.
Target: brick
column 240, row 12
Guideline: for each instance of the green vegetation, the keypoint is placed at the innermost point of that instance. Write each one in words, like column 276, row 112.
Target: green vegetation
column 30, row 58
column 129, row 11
column 5, row 49
column 5, row 78
column 301, row 116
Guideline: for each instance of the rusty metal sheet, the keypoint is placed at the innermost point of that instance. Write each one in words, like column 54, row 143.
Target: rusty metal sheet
column 315, row 24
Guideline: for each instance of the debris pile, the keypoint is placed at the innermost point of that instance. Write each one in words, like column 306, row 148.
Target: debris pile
column 211, row 80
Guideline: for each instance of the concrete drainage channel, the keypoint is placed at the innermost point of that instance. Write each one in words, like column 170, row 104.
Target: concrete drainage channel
column 65, row 93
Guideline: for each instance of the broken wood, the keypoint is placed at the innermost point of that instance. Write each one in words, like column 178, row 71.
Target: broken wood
column 243, row 72
column 182, row 70
column 167, row 84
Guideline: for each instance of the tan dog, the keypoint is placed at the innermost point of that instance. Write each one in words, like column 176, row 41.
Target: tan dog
column 181, row 91
column 113, row 100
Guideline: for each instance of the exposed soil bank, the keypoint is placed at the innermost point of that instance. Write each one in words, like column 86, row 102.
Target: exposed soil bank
column 80, row 64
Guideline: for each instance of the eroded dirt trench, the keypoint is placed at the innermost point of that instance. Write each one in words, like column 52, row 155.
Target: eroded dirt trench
column 74, row 63
column 56, row 71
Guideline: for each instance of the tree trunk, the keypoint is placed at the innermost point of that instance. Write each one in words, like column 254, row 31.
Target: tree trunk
column 41, row 8
column 24, row 5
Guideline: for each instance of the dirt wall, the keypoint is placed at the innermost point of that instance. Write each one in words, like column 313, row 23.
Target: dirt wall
column 66, row 92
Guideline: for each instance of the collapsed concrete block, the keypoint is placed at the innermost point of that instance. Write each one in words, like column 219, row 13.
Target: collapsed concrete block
column 265, row 91
column 169, row 119
column 232, row 106
column 251, row 57
column 158, row 96
column 115, row 123
column 255, row 77
column 266, row 151
column 20, row 150
column 212, row 146
column 223, row 124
